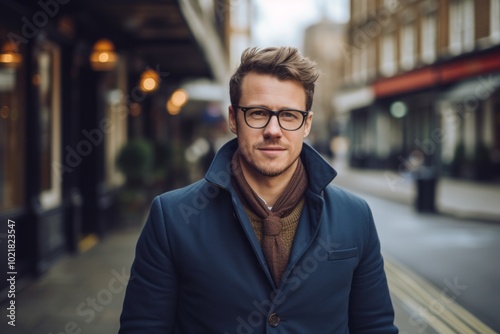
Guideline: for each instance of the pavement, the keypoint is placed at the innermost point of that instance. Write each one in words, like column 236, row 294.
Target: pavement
column 454, row 197
column 80, row 294
column 443, row 272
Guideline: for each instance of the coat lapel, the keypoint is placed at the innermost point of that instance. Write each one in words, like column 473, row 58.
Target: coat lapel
column 309, row 225
column 242, row 217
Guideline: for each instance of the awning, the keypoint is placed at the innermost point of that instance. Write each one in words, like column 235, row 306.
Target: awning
column 346, row 101
column 480, row 88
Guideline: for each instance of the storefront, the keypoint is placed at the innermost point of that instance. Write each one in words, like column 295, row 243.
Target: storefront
column 443, row 118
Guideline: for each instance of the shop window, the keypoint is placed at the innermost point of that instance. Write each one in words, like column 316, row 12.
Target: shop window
column 47, row 81
column 113, row 128
column 11, row 137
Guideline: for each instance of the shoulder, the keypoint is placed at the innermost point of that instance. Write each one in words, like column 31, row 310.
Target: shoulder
column 338, row 196
column 186, row 193
column 195, row 202
column 346, row 210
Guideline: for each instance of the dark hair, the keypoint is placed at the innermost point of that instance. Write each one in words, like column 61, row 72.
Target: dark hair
column 284, row 63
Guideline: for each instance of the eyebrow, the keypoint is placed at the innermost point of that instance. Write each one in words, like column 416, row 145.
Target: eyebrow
column 278, row 109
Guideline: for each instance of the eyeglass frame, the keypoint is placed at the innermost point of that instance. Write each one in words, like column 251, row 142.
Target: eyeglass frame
column 271, row 114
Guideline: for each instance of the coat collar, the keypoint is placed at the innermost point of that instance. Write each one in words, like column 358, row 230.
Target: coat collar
column 320, row 172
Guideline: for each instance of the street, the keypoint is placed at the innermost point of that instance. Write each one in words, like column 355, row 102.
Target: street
column 458, row 257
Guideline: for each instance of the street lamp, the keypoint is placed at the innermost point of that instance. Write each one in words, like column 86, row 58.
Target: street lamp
column 176, row 101
column 9, row 56
column 103, row 57
column 149, row 81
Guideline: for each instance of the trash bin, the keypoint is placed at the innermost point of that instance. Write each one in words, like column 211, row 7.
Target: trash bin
column 426, row 182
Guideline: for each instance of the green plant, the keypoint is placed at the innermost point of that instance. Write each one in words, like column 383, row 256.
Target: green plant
column 135, row 160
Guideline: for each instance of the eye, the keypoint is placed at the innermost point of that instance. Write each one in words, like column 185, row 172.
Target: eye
column 289, row 115
column 258, row 113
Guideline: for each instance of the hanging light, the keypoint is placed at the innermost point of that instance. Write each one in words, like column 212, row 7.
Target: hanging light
column 149, row 81
column 176, row 101
column 103, row 57
column 9, row 56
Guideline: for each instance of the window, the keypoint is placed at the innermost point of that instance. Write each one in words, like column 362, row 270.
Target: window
column 495, row 20
column 47, row 80
column 363, row 63
column 388, row 55
column 356, row 66
column 11, row 138
column 114, row 126
column 408, row 46
column 372, row 60
column 461, row 26
column 429, row 38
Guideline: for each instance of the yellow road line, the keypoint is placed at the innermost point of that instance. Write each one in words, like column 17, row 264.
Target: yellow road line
column 434, row 306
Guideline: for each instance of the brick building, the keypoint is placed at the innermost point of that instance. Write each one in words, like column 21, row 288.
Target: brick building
column 420, row 87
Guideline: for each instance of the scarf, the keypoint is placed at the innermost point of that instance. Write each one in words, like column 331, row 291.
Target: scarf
column 273, row 246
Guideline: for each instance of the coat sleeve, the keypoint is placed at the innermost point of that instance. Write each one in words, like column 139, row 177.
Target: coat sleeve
column 370, row 306
column 150, row 299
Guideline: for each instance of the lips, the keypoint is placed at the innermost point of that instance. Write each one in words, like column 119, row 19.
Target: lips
column 271, row 148
column 272, row 151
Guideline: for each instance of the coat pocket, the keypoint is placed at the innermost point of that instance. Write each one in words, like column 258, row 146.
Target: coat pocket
column 342, row 254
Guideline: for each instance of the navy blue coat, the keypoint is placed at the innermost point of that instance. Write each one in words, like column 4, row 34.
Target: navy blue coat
column 199, row 267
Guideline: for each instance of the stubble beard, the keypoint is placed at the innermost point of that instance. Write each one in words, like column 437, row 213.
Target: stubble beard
column 269, row 172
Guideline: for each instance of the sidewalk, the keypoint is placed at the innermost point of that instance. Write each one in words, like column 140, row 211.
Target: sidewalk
column 461, row 199
column 80, row 294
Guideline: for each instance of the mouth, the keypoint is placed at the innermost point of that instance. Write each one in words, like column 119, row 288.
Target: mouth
column 271, row 149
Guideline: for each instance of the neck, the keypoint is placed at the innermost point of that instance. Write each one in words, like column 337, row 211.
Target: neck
column 269, row 188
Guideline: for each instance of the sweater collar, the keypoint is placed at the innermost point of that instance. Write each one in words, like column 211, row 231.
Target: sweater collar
column 320, row 172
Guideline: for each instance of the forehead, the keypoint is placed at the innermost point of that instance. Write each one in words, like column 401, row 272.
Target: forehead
column 267, row 90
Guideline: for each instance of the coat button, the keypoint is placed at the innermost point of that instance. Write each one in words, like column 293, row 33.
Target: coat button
column 274, row 320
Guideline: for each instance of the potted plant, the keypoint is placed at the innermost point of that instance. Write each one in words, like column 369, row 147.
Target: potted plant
column 135, row 160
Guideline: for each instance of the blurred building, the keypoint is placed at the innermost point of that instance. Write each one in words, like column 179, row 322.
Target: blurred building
column 321, row 41
column 420, row 86
column 240, row 33
column 78, row 79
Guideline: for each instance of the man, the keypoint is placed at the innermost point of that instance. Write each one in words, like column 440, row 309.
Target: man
column 263, row 244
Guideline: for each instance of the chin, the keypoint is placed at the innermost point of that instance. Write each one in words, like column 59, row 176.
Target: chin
column 271, row 171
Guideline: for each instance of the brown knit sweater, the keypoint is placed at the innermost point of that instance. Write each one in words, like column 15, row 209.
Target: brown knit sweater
column 290, row 224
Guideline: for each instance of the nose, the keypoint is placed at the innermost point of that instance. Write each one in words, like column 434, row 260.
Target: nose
column 273, row 128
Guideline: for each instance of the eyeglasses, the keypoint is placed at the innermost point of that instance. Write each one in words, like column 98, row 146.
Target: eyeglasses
column 259, row 117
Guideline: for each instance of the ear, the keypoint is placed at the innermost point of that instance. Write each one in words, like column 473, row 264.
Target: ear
column 308, row 124
column 233, row 126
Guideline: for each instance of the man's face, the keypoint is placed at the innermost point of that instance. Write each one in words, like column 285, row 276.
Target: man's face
column 270, row 151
